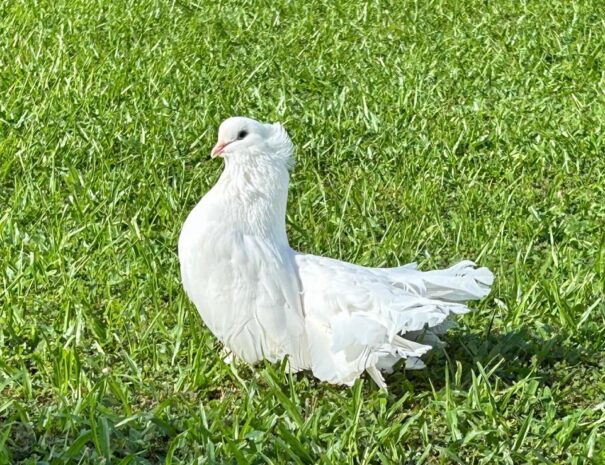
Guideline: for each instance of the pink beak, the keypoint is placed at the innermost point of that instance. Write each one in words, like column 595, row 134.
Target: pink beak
column 218, row 149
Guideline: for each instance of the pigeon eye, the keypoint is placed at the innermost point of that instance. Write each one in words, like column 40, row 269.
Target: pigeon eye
column 242, row 134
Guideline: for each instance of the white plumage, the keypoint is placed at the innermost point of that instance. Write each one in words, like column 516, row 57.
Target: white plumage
column 263, row 300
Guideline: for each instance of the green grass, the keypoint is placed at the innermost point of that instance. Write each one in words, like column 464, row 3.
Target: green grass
column 430, row 131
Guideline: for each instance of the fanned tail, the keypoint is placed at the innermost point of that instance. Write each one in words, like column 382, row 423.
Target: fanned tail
column 444, row 292
column 366, row 319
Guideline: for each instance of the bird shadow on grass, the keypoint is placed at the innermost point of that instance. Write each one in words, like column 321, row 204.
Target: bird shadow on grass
column 517, row 353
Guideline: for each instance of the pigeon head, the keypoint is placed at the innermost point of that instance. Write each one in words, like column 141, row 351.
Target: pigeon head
column 242, row 140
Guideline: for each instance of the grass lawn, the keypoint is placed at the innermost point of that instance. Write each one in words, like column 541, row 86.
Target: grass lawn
column 426, row 131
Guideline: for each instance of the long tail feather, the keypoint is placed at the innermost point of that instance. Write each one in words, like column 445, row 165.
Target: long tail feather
column 458, row 283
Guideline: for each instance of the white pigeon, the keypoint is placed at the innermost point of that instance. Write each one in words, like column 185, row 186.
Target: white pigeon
column 263, row 300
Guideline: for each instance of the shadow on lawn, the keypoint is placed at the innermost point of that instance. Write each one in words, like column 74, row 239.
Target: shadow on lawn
column 523, row 353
